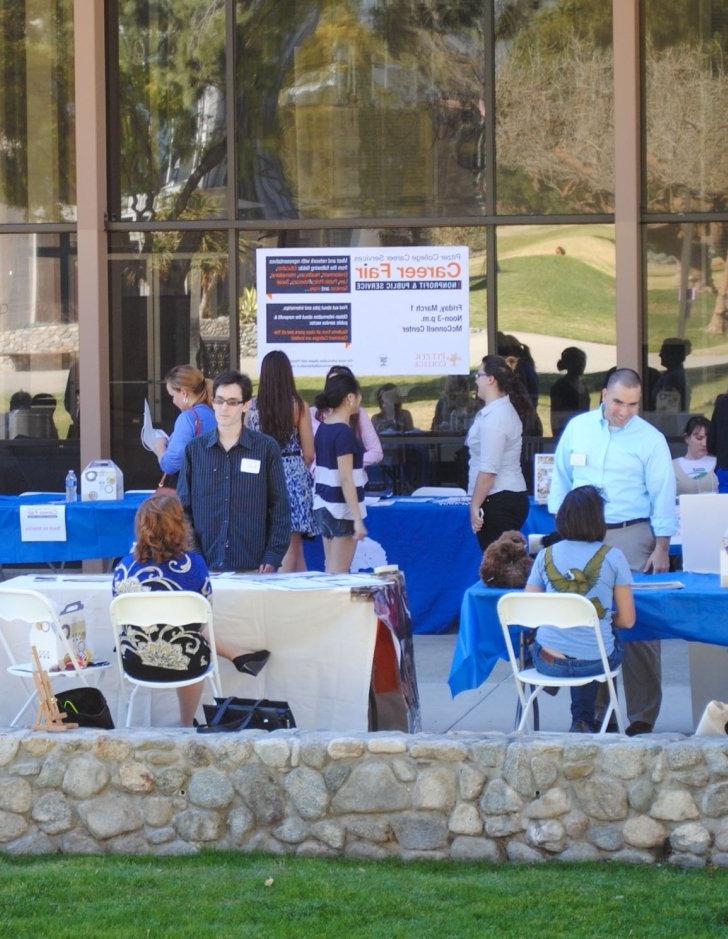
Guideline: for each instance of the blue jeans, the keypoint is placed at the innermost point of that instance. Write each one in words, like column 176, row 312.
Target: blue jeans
column 583, row 697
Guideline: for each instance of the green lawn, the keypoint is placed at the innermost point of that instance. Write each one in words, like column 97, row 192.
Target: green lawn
column 239, row 895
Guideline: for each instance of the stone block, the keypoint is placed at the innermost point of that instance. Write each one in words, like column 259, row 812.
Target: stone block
column 111, row 749
column 575, row 823
column 25, row 768
column 110, row 814
column 520, row 853
column 674, row 805
column 719, row 858
column 691, row 837
column 420, row 831
column 85, row 776
column 500, row 799
column 291, row 830
column 465, row 820
column 335, row 775
column 424, row 855
column 176, row 849
column 313, row 752
column 623, row 760
column 171, row 780
column 9, row 744
column 405, row 770
column 330, row 833
column 259, row 791
column 35, row 842
column 715, row 800
column 231, row 752
column 198, row 825
column 307, row 790
column 641, row 795
column 471, row 782
column 240, row 823
column 685, row 859
column 136, row 777
column 517, row 770
column 133, row 843
column 443, row 749
column 545, row 771
column 474, row 849
column 273, row 751
column 606, row 837
column 160, row 835
column 579, row 852
column 197, row 754
column 313, row 848
column 11, row 826
column 37, row 745
column 721, row 836
column 435, row 788
column 78, row 842
column 644, row 832
column 385, row 743
column 157, row 810
column 681, row 756
column 210, row 788
column 369, row 828
column 363, row 850
column 16, row 795
column 501, row 826
column 345, row 748
column 489, row 753
column 552, row 804
column 371, row 787
column 548, row 834
column 51, row 773
column 633, row 856
column 53, row 813
column 602, row 797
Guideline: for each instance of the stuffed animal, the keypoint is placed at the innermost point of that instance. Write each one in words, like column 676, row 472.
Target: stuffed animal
column 506, row 562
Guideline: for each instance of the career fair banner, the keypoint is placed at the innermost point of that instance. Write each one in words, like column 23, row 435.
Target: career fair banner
column 381, row 311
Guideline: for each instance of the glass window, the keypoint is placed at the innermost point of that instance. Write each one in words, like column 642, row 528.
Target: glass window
column 360, row 108
column 37, row 156
column 554, row 107
column 686, row 302
column 169, row 306
column 685, row 46
column 167, row 146
column 38, row 362
column 556, row 314
column 421, row 419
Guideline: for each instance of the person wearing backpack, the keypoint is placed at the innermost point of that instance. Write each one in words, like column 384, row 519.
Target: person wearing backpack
column 581, row 563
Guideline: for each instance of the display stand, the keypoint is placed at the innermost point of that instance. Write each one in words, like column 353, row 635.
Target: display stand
column 48, row 717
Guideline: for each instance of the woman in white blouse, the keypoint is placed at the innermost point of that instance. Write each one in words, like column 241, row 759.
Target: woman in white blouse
column 497, row 489
column 695, row 472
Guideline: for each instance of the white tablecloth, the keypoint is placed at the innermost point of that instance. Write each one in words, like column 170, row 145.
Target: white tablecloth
column 321, row 641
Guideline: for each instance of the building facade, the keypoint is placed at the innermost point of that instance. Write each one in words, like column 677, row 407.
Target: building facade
column 149, row 147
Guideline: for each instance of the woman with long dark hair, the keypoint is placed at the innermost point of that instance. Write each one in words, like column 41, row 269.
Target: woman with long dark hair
column 360, row 423
column 280, row 411
column 498, row 494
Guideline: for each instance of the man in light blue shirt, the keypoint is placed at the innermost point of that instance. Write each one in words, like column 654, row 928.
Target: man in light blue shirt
column 628, row 461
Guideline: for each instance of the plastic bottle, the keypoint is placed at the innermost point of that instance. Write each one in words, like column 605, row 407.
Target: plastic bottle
column 71, row 486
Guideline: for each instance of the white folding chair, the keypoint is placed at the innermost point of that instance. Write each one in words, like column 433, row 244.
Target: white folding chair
column 429, row 492
column 563, row 611
column 172, row 608
column 32, row 607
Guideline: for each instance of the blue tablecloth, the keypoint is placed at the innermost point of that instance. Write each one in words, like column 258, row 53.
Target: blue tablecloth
column 93, row 529
column 430, row 540
column 698, row 612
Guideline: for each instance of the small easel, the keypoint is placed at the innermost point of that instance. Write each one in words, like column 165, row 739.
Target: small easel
column 48, row 717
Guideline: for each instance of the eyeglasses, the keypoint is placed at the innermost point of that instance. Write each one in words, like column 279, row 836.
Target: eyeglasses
column 231, row 402
column 480, row 374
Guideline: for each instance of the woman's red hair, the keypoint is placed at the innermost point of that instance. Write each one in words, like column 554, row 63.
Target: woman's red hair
column 162, row 532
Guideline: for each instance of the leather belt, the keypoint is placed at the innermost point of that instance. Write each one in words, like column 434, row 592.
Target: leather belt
column 632, row 521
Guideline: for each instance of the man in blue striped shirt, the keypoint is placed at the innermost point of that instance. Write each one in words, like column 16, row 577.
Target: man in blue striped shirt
column 233, row 489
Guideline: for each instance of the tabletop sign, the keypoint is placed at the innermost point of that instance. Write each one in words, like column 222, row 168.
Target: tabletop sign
column 42, row 522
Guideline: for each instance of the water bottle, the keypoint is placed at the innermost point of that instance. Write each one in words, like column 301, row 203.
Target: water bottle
column 71, row 486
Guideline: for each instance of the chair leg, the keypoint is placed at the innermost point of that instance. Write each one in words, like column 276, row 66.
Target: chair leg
column 527, row 710
column 130, row 705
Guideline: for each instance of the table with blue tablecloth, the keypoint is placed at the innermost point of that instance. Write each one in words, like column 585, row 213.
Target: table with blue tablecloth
column 429, row 539
column 698, row 613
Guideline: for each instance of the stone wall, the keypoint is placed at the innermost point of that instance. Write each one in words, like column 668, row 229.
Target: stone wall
column 367, row 796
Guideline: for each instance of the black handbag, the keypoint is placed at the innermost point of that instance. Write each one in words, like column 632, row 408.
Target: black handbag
column 231, row 714
column 86, row 707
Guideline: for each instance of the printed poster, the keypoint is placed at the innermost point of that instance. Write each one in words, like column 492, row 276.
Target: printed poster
column 381, row 311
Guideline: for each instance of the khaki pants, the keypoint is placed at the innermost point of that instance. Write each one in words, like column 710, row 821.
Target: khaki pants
column 642, row 663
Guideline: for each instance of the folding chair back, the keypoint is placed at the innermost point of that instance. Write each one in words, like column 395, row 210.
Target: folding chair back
column 562, row 611
column 147, row 610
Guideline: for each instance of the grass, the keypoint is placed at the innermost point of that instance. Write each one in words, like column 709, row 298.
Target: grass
column 242, row 895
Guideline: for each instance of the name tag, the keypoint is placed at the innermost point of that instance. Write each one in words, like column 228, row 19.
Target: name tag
column 249, row 466
column 577, row 459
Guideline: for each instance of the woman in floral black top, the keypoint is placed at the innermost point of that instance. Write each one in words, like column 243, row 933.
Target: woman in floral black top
column 162, row 559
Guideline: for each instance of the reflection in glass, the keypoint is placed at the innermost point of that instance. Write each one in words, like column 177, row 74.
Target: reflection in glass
column 167, row 143
column 169, row 306
column 37, row 157
column 687, row 352
column 556, row 292
column 349, row 108
column 684, row 49
column 431, row 451
column 554, row 108
column 38, row 361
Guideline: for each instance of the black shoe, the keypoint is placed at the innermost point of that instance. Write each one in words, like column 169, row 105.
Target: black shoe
column 580, row 727
column 638, row 727
column 252, row 663
column 612, row 726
